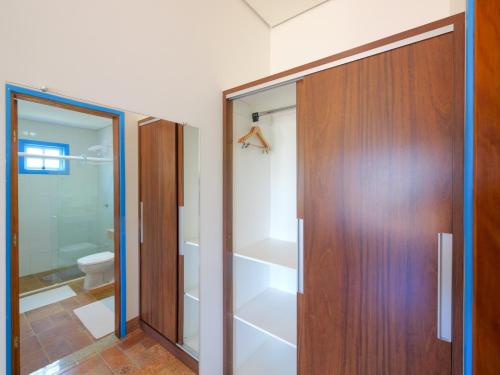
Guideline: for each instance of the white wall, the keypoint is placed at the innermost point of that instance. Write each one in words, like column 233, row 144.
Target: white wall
column 251, row 181
column 264, row 185
column 339, row 25
column 165, row 58
column 105, row 203
column 283, row 189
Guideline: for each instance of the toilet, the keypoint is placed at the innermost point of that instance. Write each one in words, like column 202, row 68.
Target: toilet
column 98, row 269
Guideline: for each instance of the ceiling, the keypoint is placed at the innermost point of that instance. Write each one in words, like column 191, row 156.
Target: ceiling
column 274, row 12
column 59, row 116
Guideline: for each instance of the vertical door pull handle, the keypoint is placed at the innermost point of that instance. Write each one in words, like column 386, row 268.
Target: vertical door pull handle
column 181, row 230
column 445, row 286
column 300, row 256
column 141, row 229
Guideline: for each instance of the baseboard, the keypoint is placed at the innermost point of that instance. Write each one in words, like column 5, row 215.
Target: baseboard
column 132, row 325
column 177, row 352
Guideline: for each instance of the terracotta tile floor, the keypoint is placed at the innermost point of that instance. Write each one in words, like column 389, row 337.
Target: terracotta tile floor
column 137, row 354
column 52, row 332
column 43, row 279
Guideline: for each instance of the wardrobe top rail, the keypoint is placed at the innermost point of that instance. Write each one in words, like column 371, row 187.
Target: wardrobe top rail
column 414, row 35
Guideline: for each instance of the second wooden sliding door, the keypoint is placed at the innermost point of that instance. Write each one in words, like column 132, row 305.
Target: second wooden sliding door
column 158, row 206
column 378, row 146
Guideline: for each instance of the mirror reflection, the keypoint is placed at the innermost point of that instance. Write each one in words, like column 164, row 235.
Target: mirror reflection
column 75, row 236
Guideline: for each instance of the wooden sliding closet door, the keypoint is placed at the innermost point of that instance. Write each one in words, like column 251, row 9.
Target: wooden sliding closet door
column 158, row 197
column 378, row 154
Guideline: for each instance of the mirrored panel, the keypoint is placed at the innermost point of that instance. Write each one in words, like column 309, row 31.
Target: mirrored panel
column 189, row 236
column 80, row 219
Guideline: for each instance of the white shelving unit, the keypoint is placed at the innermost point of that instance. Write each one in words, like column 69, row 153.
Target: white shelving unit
column 272, row 312
column 271, row 359
column 272, row 252
column 192, row 345
column 193, row 293
column 265, row 240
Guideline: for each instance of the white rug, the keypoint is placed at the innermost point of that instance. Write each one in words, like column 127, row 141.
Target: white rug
column 41, row 299
column 98, row 317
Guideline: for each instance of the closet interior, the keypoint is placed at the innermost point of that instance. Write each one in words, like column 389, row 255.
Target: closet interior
column 265, row 230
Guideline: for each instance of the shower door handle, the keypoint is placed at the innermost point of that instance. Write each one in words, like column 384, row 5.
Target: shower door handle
column 141, row 223
column 445, row 286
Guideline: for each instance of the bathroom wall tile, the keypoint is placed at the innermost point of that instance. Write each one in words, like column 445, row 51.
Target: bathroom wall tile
column 40, row 262
column 24, row 268
column 61, row 210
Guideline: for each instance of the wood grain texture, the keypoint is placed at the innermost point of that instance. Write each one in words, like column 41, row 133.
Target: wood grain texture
column 300, row 152
column 180, row 265
column 70, row 107
column 378, row 177
column 117, row 222
column 180, row 165
column 158, row 257
column 486, row 325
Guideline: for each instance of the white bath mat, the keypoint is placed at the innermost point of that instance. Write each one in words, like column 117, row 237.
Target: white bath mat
column 98, row 317
column 41, row 299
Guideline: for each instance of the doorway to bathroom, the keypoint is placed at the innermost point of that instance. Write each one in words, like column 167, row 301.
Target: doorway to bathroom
column 65, row 239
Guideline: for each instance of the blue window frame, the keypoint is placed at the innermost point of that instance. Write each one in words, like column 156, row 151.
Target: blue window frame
column 42, row 164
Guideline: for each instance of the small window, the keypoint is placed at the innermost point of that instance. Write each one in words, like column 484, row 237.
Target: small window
column 43, row 165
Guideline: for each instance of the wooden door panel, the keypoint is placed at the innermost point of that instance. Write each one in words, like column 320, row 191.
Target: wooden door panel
column 378, row 153
column 158, row 191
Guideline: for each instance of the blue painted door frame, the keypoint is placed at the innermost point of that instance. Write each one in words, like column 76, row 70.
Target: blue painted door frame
column 469, row 186
column 9, row 91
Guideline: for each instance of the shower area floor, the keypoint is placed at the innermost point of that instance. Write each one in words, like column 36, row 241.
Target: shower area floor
column 30, row 283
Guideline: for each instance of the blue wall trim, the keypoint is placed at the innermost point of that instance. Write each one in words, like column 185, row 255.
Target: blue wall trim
column 8, row 334
column 9, row 90
column 123, row 263
column 469, row 187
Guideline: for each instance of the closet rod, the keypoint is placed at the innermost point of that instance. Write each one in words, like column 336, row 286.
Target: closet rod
column 63, row 157
column 257, row 115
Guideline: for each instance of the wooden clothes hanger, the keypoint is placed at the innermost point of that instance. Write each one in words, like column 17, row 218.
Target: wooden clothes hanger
column 255, row 131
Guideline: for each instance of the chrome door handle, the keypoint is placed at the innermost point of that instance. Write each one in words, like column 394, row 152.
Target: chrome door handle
column 141, row 229
column 180, row 225
column 445, row 286
column 300, row 256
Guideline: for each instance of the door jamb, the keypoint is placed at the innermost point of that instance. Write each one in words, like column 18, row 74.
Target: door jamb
column 13, row 92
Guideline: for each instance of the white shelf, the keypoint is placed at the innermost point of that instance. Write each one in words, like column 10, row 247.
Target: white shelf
column 271, row 251
column 192, row 343
column 272, row 358
column 274, row 313
column 193, row 242
column 193, row 293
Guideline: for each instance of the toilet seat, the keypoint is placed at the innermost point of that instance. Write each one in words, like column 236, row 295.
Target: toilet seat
column 96, row 258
